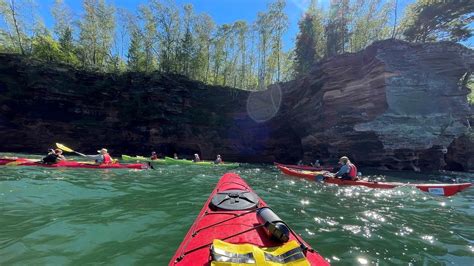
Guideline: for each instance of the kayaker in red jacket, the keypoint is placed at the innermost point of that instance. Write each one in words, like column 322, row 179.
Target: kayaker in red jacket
column 102, row 158
column 348, row 170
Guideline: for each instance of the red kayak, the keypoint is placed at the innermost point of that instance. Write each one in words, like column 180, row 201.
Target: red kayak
column 69, row 164
column 436, row 189
column 236, row 227
column 306, row 167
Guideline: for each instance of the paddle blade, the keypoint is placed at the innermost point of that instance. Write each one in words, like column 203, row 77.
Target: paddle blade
column 64, row 148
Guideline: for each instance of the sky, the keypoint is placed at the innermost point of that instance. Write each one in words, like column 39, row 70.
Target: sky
column 222, row 11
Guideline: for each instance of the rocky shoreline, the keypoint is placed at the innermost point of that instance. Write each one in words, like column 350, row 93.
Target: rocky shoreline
column 394, row 105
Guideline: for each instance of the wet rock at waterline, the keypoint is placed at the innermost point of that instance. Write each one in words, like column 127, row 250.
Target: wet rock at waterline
column 393, row 105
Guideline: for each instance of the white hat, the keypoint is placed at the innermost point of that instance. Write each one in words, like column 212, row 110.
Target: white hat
column 101, row 150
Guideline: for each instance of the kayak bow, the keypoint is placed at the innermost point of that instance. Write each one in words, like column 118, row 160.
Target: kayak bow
column 435, row 189
column 232, row 229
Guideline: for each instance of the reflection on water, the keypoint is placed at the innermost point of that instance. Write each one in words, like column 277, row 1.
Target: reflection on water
column 81, row 216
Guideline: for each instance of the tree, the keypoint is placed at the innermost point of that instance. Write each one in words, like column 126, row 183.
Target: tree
column 204, row 29
column 279, row 20
column 305, row 51
column 370, row 23
column 149, row 37
column 241, row 29
column 136, row 55
column 16, row 15
column 264, row 29
column 435, row 20
column 44, row 47
column 166, row 17
column 64, row 31
column 62, row 15
column 337, row 27
column 96, row 33
column 186, row 49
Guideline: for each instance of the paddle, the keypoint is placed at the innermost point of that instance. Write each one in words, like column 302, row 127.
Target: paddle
column 67, row 149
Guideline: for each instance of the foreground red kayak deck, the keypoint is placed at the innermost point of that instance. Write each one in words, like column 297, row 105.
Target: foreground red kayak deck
column 435, row 189
column 231, row 226
column 70, row 164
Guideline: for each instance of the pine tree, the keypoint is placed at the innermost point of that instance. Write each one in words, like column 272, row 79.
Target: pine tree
column 305, row 50
column 434, row 20
column 136, row 56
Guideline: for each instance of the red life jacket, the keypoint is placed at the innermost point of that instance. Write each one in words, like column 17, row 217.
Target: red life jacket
column 352, row 171
column 107, row 159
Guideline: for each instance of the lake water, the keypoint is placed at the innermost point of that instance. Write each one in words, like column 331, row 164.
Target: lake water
column 124, row 217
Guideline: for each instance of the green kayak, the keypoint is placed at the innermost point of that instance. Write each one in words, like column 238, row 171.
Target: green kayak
column 170, row 160
column 141, row 159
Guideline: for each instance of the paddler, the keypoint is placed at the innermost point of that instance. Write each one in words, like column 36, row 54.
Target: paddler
column 196, row 158
column 348, row 170
column 54, row 156
column 218, row 159
column 154, row 156
column 175, row 156
column 102, row 158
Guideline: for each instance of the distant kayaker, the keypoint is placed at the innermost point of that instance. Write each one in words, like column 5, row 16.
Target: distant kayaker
column 175, row 156
column 154, row 156
column 316, row 164
column 348, row 170
column 300, row 162
column 218, row 159
column 102, row 158
column 196, row 158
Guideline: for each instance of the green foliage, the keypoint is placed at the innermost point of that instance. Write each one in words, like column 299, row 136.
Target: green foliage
column 434, row 20
column 165, row 36
column 46, row 48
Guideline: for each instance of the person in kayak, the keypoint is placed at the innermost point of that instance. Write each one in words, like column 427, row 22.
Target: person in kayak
column 102, row 158
column 196, row 158
column 218, row 159
column 316, row 164
column 175, row 156
column 154, row 156
column 54, row 156
column 60, row 155
column 348, row 170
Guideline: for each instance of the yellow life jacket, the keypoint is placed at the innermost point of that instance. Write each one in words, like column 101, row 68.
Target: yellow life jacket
column 227, row 254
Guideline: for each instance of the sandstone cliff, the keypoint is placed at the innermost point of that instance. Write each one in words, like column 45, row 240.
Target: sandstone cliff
column 394, row 105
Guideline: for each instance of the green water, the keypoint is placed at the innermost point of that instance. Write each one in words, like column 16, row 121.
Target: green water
column 125, row 217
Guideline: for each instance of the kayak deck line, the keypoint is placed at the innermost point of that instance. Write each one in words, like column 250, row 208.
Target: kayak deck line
column 432, row 188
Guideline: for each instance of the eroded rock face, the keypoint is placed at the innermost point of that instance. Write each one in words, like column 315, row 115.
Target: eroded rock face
column 395, row 105
column 41, row 104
